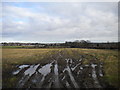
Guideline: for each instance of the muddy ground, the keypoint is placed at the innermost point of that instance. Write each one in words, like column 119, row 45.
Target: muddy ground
column 61, row 71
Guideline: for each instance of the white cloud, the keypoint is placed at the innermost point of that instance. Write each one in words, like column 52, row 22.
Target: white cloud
column 60, row 22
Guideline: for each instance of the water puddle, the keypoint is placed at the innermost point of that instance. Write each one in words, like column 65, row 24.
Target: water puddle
column 63, row 78
column 80, row 60
column 46, row 69
column 56, row 75
column 56, row 69
column 49, row 75
column 23, row 66
column 27, row 74
column 93, row 71
column 81, row 68
column 75, row 67
column 67, row 60
column 16, row 72
column 101, row 74
column 30, row 71
column 20, row 68
column 71, row 76
column 94, row 76
column 70, row 60
column 86, row 65
column 100, row 71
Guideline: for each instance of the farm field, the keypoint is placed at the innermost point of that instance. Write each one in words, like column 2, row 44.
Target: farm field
column 59, row 68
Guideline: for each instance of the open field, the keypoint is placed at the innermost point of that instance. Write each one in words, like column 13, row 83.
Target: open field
column 59, row 68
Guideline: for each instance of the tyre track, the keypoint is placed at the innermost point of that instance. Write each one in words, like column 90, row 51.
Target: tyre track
column 50, row 75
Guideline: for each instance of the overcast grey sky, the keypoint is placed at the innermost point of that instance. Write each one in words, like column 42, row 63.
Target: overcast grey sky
column 59, row 22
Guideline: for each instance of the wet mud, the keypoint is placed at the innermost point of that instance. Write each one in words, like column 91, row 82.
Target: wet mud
column 61, row 72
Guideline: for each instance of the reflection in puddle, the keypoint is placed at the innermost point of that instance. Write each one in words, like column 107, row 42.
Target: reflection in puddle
column 23, row 66
column 20, row 68
column 93, row 71
column 75, row 66
column 70, row 74
column 81, row 68
column 30, row 71
column 71, row 77
column 86, row 65
column 52, row 75
column 16, row 72
column 94, row 76
column 100, row 71
column 56, row 75
column 45, row 70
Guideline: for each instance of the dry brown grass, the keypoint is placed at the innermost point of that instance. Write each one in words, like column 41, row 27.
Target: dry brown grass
column 33, row 56
column 19, row 56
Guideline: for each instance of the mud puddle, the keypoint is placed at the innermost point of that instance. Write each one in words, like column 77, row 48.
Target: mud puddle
column 74, row 74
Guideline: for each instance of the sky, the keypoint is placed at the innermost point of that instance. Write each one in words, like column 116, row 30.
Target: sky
column 51, row 22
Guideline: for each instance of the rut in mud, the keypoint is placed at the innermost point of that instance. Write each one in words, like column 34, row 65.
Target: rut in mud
column 61, row 72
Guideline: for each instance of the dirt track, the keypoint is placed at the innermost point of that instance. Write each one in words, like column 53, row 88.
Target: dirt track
column 61, row 72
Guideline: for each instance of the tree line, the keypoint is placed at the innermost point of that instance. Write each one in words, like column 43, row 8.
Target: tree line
column 74, row 44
